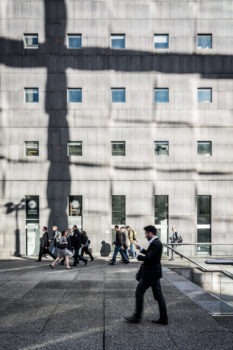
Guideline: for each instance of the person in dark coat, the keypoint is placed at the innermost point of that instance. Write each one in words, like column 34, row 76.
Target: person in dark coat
column 76, row 242
column 85, row 248
column 150, row 277
column 119, row 242
column 44, row 245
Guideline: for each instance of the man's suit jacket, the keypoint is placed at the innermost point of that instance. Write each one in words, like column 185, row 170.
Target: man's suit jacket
column 152, row 256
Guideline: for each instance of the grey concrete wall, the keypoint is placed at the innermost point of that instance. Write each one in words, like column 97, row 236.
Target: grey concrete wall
column 97, row 121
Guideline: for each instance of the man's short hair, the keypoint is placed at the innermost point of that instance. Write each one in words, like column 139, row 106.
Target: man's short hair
column 116, row 226
column 151, row 228
column 75, row 226
column 45, row 228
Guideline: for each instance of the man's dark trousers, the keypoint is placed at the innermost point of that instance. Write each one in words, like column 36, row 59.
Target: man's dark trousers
column 143, row 285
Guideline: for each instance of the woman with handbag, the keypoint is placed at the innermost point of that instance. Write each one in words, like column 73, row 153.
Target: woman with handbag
column 63, row 251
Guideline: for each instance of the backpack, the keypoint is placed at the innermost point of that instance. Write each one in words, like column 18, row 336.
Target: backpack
column 83, row 239
column 134, row 235
column 179, row 239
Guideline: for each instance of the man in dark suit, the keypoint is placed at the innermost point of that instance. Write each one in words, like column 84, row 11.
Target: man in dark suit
column 150, row 277
column 44, row 245
column 76, row 243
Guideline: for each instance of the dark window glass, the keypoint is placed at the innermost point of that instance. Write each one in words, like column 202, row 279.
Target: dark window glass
column 118, row 210
column 161, row 210
column 118, row 148
column 203, row 210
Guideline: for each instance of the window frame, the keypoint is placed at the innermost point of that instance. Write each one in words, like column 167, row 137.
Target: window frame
column 34, row 94
column 199, row 35
column 36, row 149
column 118, row 143
column 118, row 89
column 204, row 89
column 30, row 35
column 77, row 90
column 202, row 153
column 117, row 37
column 204, row 226
column 121, row 213
column 167, row 42
column 78, row 35
column 74, row 143
column 162, row 143
column 157, row 90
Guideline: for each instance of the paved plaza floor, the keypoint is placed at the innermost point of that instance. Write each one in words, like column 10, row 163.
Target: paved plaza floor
column 84, row 309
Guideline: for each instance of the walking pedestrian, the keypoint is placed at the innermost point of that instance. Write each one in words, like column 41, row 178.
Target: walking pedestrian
column 119, row 242
column 85, row 248
column 76, row 242
column 63, row 251
column 151, row 272
column 44, row 245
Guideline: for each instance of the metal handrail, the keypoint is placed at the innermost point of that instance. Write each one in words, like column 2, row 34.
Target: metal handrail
column 226, row 273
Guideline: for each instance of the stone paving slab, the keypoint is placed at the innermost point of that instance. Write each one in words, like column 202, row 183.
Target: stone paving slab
column 85, row 308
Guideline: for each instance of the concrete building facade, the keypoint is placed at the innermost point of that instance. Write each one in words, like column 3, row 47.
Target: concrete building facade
column 116, row 112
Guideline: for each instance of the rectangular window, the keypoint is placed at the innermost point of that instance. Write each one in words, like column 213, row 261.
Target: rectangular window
column 161, row 95
column 204, row 148
column 203, row 223
column 118, row 95
column 204, row 41
column 161, row 148
column 74, row 148
column 118, row 148
column 74, row 95
column 74, row 41
column 161, row 216
column 118, row 210
column 30, row 41
column 204, row 95
column 31, row 148
column 75, row 205
column 31, row 95
column 118, row 41
column 161, row 41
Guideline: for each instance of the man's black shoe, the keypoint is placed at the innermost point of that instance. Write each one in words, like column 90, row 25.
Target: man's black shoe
column 86, row 262
column 111, row 263
column 132, row 319
column 159, row 321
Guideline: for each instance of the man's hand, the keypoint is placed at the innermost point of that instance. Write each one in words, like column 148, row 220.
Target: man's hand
column 137, row 246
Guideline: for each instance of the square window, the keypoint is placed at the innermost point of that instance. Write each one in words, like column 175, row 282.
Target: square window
column 204, row 41
column 118, row 95
column 31, row 41
column 161, row 148
column 161, row 41
column 74, row 148
column 31, row 148
column 161, row 95
column 31, row 95
column 118, row 148
column 118, row 41
column 204, row 95
column 74, row 95
column 204, row 148
column 74, row 41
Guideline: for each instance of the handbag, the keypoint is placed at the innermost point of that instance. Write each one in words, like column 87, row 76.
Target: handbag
column 139, row 273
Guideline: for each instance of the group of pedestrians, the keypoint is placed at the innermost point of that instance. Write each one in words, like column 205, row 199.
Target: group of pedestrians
column 125, row 238
column 63, row 245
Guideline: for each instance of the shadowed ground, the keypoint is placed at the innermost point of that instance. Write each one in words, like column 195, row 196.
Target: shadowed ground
column 84, row 309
